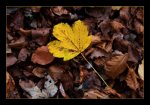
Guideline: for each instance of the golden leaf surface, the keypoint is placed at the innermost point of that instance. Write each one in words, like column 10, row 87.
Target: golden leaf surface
column 71, row 40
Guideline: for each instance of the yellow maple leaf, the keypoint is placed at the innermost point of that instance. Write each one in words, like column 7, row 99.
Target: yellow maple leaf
column 71, row 40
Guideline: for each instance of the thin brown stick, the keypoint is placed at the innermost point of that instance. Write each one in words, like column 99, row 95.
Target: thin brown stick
column 94, row 70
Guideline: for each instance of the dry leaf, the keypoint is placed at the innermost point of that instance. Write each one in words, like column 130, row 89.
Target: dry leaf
column 124, row 13
column 96, row 38
column 131, row 79
column 83, row 74
column 100, row 61
column 23, row 54
column 117, row 25
column 56, row 72
column 33, row 90
column 116, row 65
column 98, row 53
column 39, row 72
column 42, row 56
column 109, row 90
column 10, row 60
column 72, row 41
column 19, row 43
column 67, row 81
column 50, row 86
column 133, row 54
column 139, row 27
column 11, row 91
column 106, row 46
column 141, row 70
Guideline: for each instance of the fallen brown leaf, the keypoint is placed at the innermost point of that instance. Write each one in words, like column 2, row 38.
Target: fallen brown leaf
column 11, row 91
column 124, row 13
column 19, row 43
column 109, row 90
column 98, row 53
column 42, row 56
column 131, row 79
column 56, row 72
column 116, row 65
column 39, row 72
column 23, row 54
column 10, row 60
column 117, row 25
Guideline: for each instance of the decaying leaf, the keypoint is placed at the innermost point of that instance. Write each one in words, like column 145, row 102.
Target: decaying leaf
column 72, row 41
column 32, row 89
column 141, row 70
column 42, row 56
column 131, row 79
column 11, row 91
column 50, row 86
column 116, row 65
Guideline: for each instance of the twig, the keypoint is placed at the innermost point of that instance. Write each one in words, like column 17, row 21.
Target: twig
column 94, row 70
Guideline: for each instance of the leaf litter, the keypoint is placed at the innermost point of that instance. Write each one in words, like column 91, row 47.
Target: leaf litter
column 108, row 39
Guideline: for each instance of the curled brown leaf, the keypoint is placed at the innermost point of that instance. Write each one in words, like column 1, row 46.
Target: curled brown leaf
column 116, row 65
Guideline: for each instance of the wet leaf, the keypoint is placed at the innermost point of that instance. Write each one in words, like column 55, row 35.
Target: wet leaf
column 116, row 65
column 42, row 56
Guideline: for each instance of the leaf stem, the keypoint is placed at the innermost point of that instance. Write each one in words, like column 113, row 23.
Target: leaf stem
column 94, row 70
